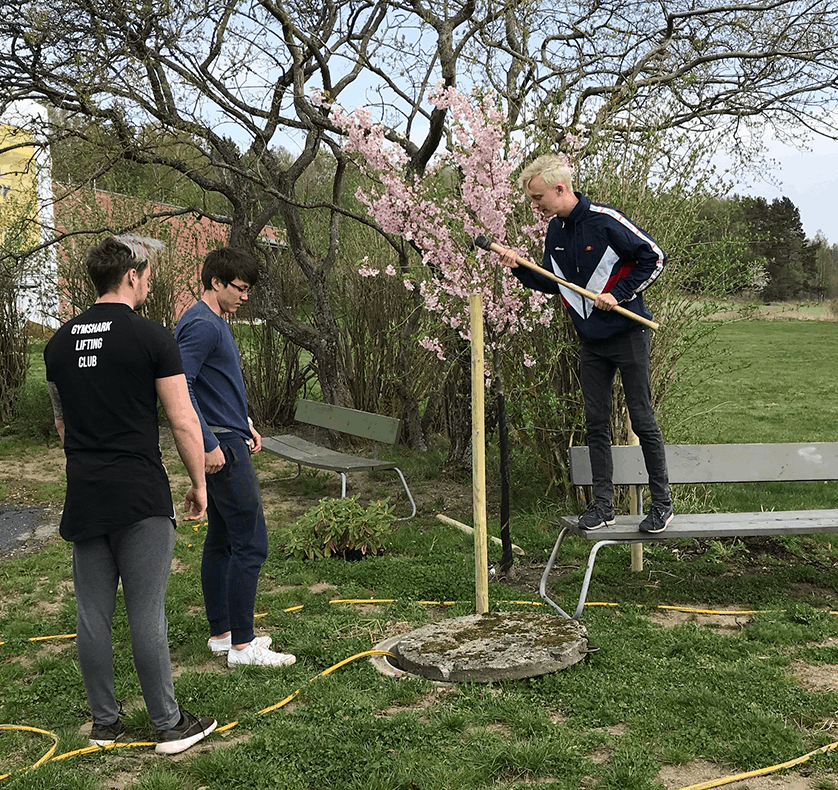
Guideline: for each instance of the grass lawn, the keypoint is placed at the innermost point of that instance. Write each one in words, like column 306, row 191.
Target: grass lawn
column 672, row 698
column 776, row 382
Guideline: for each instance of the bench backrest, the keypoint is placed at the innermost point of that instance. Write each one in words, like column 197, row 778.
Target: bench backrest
column 718, row 463
column 358, row 423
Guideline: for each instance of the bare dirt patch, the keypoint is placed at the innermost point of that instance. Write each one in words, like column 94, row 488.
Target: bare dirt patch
column 717, row 621
column 525, row 577
column 121, row 781
column 322, row 587
column 436, row 695
column 816, row 677
column 675, row 777
column 779, row 311
column 212, row 666
column 178, row 566
column 23, row 475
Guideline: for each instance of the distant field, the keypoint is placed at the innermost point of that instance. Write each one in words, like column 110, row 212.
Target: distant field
column 778, row 383
column 803, row 311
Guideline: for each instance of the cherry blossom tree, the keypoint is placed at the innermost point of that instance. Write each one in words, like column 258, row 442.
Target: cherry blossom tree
column 466, row 191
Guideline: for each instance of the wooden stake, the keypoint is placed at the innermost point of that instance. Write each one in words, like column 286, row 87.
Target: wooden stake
column 634, row 506
column 470, row 531
column 478, row 446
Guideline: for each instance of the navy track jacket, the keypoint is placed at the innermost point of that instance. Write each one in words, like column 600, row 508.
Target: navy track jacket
column 599, row 248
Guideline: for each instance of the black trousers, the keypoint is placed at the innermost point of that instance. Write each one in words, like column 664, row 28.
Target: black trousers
column 600, row 360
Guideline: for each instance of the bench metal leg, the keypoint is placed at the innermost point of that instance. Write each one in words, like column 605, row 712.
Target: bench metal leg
column 409, row 495
column 589, row 570
column 283, row 479
column 404, row 483
column 542, row 588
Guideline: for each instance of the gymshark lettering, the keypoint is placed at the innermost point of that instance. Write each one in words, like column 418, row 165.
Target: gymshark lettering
column 89, row 329
column 90, row 343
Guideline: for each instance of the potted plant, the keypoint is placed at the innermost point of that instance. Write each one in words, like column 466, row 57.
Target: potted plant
column 340, row 528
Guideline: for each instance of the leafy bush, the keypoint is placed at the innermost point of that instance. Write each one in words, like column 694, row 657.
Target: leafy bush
column 340, row 527
column 34, row 418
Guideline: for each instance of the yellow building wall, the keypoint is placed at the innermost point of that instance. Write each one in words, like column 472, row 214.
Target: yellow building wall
column 18, row 189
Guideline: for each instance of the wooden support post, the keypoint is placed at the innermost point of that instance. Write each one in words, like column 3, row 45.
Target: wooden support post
column 478, row 439
column 470, row 531
column 635, row 498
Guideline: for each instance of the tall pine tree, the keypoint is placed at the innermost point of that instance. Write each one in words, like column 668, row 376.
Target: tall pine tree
column 777, row 235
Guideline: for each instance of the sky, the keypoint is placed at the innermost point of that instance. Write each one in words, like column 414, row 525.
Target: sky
column 810, row 180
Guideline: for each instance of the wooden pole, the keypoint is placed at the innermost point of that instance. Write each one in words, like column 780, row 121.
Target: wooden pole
column 478, row 447
column 634, row 506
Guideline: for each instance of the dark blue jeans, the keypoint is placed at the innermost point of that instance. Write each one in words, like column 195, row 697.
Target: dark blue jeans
column 236, row 544
column 600, row 360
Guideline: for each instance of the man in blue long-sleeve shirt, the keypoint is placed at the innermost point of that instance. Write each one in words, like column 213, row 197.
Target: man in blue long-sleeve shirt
column 599, row 248
column 236, row 544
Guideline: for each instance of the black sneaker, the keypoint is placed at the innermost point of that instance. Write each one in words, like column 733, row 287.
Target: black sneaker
column 187, row 732
column 106, row 734
column 659, row 516
column 596, row 516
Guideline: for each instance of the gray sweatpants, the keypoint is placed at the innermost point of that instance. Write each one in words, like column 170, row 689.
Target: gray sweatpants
column 140, row 555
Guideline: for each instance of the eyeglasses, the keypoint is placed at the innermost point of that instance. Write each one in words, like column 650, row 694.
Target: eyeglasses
column 239, row 288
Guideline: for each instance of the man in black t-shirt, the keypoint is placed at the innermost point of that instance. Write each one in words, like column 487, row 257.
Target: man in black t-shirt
column 105, row 370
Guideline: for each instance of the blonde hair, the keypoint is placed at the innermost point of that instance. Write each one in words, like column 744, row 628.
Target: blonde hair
column 553, row 169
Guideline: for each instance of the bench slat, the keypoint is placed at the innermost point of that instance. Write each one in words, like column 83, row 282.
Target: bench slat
column 292, row 448
column 715, row 525
column 358, row 423
column 719, row 463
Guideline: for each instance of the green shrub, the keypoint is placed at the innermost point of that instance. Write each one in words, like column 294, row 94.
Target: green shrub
column 34, row 418
column 340, row 526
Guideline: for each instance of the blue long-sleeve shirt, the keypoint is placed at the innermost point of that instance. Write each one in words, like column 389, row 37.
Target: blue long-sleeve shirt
column 212, row 365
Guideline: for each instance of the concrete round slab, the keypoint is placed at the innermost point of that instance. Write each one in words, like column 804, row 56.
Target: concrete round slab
column 491, row 647
column 387, row 665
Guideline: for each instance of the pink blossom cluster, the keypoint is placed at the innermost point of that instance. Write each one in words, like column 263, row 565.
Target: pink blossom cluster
column 318, row 99
column 443, row 220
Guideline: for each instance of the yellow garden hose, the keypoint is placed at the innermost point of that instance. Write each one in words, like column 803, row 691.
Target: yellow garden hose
column 761, row 771
column 49, row 752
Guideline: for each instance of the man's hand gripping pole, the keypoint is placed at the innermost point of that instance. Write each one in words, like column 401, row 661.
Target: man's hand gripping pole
column 485, row 243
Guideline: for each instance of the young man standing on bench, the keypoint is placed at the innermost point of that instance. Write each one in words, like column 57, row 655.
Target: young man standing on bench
column 237, row 539
column 599, row 248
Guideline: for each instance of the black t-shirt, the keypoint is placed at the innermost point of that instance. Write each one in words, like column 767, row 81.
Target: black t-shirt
column 104, row 364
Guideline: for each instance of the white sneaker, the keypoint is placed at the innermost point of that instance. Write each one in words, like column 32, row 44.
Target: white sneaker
column 223, row 645
column 256, row 655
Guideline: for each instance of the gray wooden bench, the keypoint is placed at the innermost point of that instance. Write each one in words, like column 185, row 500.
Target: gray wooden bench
column 350, row 421
column 697, row 464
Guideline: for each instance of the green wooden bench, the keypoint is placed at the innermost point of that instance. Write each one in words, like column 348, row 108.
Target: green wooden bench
column 696, row 464
column 350, row 421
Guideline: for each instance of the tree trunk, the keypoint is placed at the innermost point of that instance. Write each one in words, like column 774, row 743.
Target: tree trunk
column 457, row 395
column 507, row 557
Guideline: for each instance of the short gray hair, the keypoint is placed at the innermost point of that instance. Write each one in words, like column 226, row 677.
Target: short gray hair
column 143, row 248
